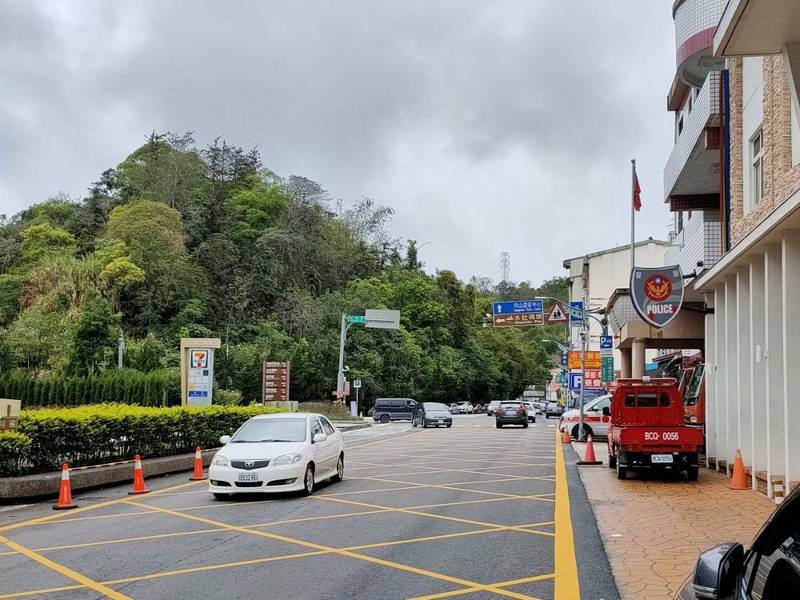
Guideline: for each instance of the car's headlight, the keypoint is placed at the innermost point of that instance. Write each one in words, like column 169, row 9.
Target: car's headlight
column 286, row 459
column 221, row 461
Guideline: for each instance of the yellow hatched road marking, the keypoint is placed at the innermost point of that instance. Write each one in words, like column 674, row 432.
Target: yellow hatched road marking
column 567, row 586
column 463, row 591
column 65, row 571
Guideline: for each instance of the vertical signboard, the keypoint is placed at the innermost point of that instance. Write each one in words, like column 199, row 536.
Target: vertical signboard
column 275, row 382
column 200, row 377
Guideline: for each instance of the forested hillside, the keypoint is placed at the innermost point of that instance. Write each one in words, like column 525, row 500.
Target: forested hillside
column 183, row 241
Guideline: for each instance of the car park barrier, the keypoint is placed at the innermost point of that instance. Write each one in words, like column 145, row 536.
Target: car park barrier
column 64, row 491
column 198, row 465
column 588, row 456
column 138, row 477
column 739, row 478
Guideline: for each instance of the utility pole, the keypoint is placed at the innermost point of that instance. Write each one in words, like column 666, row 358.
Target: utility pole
column 120, row 350
column 505, row 265
column 585, row 332
column 342, row 338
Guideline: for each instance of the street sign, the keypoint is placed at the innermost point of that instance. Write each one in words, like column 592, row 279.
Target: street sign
column 607, row 369
column 564, row 356
column 592, row 359
column 518, row 307
column 275, row 381
column 576, row 316
column 513, row 320
column 593, row 380
column 357, row 384
column 574, row 382
column 382, row 319
column 657, row 293
column 557, row 314
column 356, row 318
column 606, row 342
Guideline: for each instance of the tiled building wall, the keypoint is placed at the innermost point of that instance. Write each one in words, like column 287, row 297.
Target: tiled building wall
column 780, row 179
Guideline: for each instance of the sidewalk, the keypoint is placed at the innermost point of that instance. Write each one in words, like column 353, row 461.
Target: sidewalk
column 654, row 530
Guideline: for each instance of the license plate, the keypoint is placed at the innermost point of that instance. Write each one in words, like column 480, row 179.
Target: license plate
column 661, row 459
column 248, row 477
column 440, row 421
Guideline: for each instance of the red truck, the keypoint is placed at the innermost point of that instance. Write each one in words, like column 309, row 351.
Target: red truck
column 648, row 429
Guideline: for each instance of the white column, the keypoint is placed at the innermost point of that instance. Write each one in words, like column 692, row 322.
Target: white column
column 773, row 355
column 731, row 367
column 711, row 378
column 758, row 371
column 743, row 397
column 721, row 378
column 791, row 354
column 791, row 61
column 638, row 357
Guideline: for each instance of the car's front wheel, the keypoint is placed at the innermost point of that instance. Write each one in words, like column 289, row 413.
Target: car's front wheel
column 339, row 469
column 384, row 418
column 308, row 481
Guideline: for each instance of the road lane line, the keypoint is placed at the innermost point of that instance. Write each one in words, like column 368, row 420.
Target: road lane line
column 65, row 571
column 345, row 553
column 567, row 586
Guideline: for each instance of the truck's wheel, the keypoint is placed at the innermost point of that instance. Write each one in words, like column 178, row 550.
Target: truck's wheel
column 612, row 462
column 693, row 472
column 622, row 472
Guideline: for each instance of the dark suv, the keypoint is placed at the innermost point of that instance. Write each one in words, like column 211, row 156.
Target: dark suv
column 394, row 409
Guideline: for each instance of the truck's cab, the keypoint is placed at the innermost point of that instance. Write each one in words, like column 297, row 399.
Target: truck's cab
column 694, row 395
column 648, row 428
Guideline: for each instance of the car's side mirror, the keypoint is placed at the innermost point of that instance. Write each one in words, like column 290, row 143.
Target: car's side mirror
column 717, row 570
column 319, row 437
column 606, row 411
column 224, row 439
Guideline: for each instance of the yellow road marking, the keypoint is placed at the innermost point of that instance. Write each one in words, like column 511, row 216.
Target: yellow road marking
column 345, row 553
column 389, row 437
column 443, row 486
column 57, row 516
column 463, row 591
column 65, row 571
column 567, row 586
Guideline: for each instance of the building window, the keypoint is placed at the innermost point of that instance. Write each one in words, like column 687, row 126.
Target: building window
column 757, row 166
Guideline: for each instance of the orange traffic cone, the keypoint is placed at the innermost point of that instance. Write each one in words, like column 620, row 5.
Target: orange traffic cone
column 198, row 466
column 565, row 439
column 588, row 456
column 138, row 477
column 739, row 479
column 64, row 491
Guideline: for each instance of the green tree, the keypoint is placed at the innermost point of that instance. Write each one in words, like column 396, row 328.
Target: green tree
column 96, row 332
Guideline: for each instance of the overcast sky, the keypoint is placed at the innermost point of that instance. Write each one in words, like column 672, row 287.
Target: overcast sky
column 487, row 126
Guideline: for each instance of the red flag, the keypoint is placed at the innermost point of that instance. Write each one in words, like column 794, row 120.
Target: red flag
column 637, row 200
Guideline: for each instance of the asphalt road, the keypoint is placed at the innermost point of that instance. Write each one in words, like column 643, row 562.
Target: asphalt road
column 473, row 512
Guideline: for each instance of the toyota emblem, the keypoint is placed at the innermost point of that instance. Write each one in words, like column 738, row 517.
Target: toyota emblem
column 249, row 463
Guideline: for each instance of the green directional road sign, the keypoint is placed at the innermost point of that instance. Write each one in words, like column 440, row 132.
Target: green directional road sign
column 607, row 369
column 356, row 318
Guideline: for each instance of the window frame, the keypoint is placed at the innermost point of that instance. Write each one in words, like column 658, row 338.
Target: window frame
column 757, row 167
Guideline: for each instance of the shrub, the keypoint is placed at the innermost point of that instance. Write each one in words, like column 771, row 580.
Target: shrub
column 14, row 451
column 108, row 432
column 332, row 410
column 227, row 397
column 126, row 386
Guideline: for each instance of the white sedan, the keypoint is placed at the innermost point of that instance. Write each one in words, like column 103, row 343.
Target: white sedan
column 277, row 453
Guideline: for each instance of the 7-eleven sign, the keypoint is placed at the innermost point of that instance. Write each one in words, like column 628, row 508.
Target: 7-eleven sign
column 557, row 314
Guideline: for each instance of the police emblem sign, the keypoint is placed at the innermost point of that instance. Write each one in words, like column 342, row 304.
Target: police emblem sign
column 657, row 293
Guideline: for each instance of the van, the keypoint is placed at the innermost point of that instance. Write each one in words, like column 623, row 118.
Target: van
column 394, row 409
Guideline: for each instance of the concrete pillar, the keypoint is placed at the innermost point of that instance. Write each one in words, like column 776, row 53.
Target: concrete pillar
column 721, row 369
column 625, row 362
column 791, row 354
column 731, row 360
column 758, row 370
column 743, row 397
column 773, row 357
column 637, row 357
column 791, row 61
column 711, row 377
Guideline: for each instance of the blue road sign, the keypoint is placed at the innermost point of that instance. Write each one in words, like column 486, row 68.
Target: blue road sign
column 606, row 342
column 576, row 316
column 518, row 307
column 575, row 382
column 564, row 357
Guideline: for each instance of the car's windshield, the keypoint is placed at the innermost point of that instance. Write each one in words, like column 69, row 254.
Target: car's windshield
column 271, row 430
column 433, row 406
column 693, row 389
column 511, row 404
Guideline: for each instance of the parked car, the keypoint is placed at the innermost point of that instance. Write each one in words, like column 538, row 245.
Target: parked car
column 595, row 423
column 512, row 412
column 432, row 414
column 465, row 408
column 768, row 570
column 477, row 409
column 553, row 409
column 648, row 429
column 531, row 410
column 455, row 409
column 277, row 453
column 491, row 407
column 394, row 409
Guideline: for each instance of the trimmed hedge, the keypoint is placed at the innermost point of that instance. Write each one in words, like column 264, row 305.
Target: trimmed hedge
column 126, row 386
column 98, row 434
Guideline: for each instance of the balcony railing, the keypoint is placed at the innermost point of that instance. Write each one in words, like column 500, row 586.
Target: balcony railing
column 697, row 243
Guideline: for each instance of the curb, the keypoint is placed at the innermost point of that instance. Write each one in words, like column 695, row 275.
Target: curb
column 351, row 425
column 45, row 485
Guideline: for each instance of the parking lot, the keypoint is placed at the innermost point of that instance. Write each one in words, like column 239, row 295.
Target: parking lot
column 471, row 511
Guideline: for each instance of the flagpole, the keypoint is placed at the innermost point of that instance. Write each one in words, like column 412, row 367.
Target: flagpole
column 633, row 213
